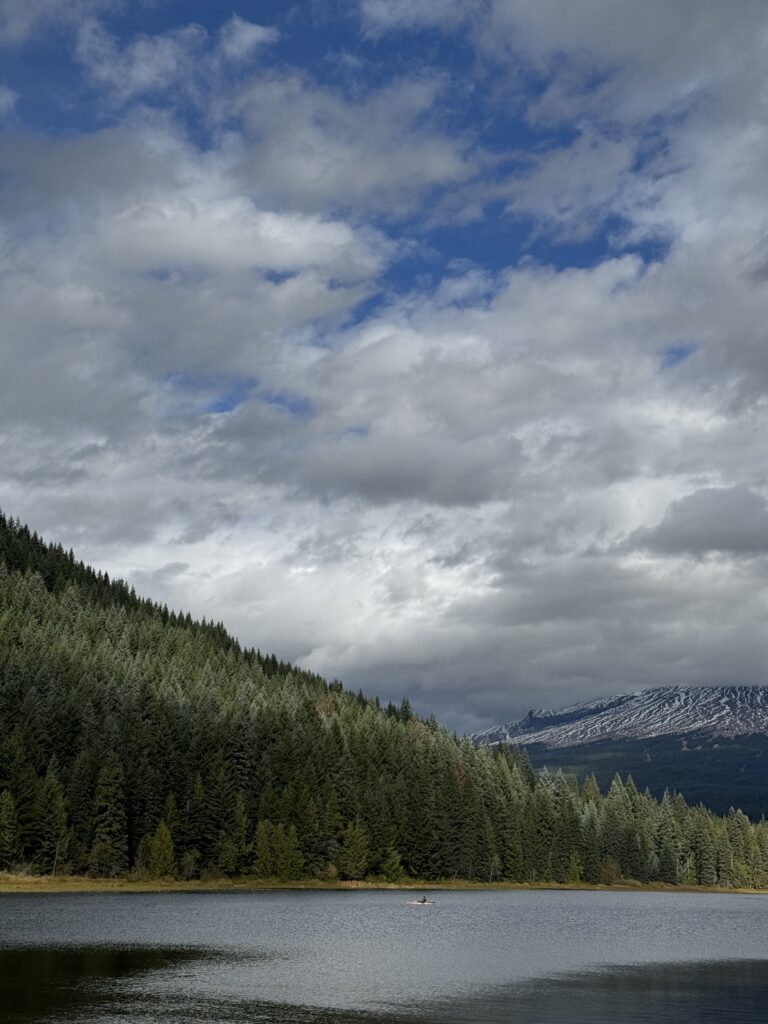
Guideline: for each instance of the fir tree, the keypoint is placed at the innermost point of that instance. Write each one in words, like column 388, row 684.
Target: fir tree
column 10, row 842
column 392, row 868
column 264, row 866
column 160, row 859
column 286, row 854
column 53, row 834
column 109, row 853
column 575, row 872
column 353, row 859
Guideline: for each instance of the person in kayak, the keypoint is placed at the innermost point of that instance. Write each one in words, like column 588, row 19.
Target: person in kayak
column 422, row 900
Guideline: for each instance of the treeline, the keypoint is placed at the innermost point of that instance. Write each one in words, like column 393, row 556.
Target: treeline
column 135, row 739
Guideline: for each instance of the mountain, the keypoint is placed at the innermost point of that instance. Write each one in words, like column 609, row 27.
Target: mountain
column 136, row 739
column 726, row 711
column 709, row 742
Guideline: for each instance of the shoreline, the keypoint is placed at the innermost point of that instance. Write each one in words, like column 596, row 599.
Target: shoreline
column 10, row 883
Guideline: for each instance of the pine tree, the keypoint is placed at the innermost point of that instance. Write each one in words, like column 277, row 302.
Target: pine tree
column 109, row 853
column 264, row 866
column 53, row 841
column 392, row 868
column 10, row 841
column 544, row 827
column 668, row 845
column 313, row 842
column 590, row 844
column 160, row 860
column 287, row 858
column 353, row 859
column 575, row 873
column 171, row 815
column 237, row 834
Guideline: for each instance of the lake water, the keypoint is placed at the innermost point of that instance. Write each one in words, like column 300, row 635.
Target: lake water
column 370, row 958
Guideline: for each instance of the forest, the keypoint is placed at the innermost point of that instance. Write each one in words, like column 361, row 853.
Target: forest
column 134, row 739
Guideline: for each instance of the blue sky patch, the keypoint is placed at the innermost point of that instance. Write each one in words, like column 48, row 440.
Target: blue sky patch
column 676, row 354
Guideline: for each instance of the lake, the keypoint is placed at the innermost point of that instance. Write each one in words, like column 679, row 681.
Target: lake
column 368, row 957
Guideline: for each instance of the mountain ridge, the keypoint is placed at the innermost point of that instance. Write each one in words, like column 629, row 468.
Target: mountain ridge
column 726, row 711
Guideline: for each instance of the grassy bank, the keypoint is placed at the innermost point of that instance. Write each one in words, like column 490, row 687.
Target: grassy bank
column 10, row 883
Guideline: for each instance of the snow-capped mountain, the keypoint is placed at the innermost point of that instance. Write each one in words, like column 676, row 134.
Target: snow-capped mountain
column 663, row 711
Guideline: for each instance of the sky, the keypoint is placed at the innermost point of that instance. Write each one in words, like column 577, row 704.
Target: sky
column 421, row 342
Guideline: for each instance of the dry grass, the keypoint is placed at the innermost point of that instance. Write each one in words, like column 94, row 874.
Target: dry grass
column 10, row 883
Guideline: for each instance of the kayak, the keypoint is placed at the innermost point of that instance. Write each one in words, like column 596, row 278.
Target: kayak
column 420, row 903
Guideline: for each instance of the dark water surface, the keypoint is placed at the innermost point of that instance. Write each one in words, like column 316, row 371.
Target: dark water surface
column 369, row 958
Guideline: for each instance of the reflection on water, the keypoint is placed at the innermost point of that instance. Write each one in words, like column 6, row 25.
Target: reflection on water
column 87, row 985
column 709, row 993
column 368, row 958
column 36, row 984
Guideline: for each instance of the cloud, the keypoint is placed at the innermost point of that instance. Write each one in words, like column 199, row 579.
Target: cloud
column 239, row 39
column 727, row 520
column 228, row 234
column 570, row 189
column 8, row 100
column 623, row 59
column 179, row 58
column 244, row 367
column 148, row 64
column 313, row 147
column 386, row 15
column 20, row 20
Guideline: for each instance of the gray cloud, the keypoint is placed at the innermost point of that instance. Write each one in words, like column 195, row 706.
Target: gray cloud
column 731, row 520
column 314, row 148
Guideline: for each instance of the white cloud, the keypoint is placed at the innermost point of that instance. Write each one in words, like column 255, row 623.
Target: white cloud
column 386, row 15
column 314, row 148
column 181, row 58
column 8, row 100
column 20, row 20
column 239, row 38
column 570, row 189
column 148, row 64
column 231, row 233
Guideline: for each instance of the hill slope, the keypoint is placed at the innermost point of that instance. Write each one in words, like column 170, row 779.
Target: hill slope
column 135, row 739
column 118, row 717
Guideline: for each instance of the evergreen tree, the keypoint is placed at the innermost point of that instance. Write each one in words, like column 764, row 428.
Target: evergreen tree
column 286, row 854
column 264, row 866
column 392, row 868
column 160, row 860
column 109, row 853
column 575, row 873
column 590, row 844
column 53, row 835
column 10, row 841
column 353, row 860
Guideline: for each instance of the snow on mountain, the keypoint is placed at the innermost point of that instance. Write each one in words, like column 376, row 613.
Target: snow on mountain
column 662, row 711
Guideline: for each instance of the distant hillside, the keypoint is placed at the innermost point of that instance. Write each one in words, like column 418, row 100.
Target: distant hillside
column 133, row 738
column 710, row 743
